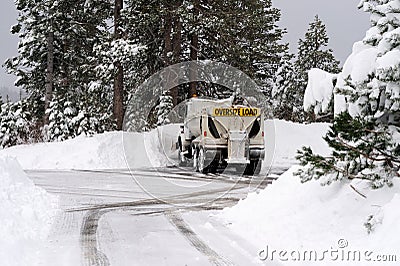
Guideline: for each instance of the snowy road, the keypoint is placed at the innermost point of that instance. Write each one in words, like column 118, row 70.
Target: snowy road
column 163, row 216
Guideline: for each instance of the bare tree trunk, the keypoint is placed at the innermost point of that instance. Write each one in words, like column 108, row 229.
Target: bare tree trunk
column 118, row 101
column 49, row 74
column 194, row 48
column 167, row 53
column 176, row 47
column 177, row 38
column 167, row 36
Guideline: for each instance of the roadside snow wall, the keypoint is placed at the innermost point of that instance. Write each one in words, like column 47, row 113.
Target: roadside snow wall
column 112, row 150
column 290, row 137
column 109, row 150
column 26, row 216
column 291, row 216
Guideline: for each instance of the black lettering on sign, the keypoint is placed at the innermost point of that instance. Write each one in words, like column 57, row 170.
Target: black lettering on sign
column 236, row 112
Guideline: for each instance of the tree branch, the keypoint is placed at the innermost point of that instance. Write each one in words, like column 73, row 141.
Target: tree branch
column 358, row 192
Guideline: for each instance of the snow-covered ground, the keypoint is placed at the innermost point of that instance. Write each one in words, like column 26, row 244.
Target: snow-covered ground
column 298, row 219
column 26, row 216
column 286, row 216
column 27, row 211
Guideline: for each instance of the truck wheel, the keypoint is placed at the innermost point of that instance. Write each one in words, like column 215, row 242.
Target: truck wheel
column 195, row 160
column 258, row 166
column 182, row 159
column 254, row 167
column 201, row 162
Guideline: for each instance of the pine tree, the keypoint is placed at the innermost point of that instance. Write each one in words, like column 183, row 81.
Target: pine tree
column 313, row 53
column 163, row 109
column 60, row 113
column 287, row 99
column 246, row 36
column 15, row 124
column 365, row 137
column 56, row 52
column 243, row 34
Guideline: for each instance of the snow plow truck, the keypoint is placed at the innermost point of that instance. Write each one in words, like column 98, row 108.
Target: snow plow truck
column 219, row 133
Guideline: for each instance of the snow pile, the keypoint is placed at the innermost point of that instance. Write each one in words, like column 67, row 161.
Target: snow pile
column 291, row 216
column 26, row 214
column 319, row 90
column 109, row 150
column 291, row 137
column 116, row 150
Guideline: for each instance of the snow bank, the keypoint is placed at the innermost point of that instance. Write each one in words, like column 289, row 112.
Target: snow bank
column 292, row 216
column 109, row 150
column 116, row 150
column 319, row 90
column 26, row 214
column 290, row 137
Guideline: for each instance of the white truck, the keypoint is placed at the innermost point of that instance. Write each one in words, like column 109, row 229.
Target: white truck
column 218, row 133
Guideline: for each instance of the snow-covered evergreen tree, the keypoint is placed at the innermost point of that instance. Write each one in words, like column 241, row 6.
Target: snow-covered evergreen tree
column 247, row 36
column 286, row 94
column 16, row 126
column 85, row 112
column 75, row 27
column 313, row 53
column 365, row 135
column 110, row 51
column 243, row 34
column 163, row 109
column 60, row 114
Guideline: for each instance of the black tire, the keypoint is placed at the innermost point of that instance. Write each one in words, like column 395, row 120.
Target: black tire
column 253, row 168
column 201, row 162
column 181, row 158
column 195, row 160
column 205, row 166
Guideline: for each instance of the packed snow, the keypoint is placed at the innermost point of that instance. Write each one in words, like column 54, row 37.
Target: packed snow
column 26, row 216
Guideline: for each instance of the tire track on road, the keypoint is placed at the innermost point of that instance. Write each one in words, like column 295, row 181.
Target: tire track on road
column 177, row 221
column 92, row 255
column 175, row 199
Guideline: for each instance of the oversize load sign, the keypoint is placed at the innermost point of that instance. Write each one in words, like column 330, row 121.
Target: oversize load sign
column 236, row 112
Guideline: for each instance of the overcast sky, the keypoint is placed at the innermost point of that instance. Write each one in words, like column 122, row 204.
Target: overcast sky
column 345, row 25
column 9, row 43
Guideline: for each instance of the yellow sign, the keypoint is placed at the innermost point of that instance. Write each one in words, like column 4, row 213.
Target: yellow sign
column 236, row 111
